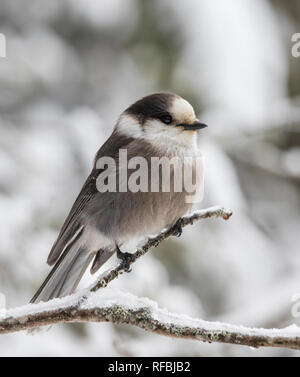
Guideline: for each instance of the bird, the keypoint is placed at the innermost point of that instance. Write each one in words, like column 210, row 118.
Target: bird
column 100, row 222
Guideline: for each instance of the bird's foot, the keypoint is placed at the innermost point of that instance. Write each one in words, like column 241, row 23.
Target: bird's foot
column 126, row 259
column 177, row 228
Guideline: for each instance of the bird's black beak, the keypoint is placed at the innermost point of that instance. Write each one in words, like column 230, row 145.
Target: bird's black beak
column 192, row 126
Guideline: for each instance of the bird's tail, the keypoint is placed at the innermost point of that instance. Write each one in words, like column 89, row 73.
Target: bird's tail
column 65, row 275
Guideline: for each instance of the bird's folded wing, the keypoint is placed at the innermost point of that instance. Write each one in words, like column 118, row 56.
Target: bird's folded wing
column 73, row 224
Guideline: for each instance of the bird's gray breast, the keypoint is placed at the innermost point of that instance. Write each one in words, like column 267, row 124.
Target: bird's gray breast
column 123, row 214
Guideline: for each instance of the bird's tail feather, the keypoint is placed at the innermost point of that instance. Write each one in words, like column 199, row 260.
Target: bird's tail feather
column 65, row 275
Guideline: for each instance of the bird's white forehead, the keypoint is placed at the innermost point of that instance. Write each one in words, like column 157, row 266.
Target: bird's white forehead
column 182, row 110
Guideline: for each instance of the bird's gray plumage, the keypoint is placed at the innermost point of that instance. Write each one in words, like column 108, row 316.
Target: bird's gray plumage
column 99, row 221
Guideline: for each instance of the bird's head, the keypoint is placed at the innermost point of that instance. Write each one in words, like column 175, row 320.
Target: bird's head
column 161, row 115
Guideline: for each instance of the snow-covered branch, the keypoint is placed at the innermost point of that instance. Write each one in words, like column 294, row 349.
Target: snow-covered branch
column 120, row 307
column 124, row 308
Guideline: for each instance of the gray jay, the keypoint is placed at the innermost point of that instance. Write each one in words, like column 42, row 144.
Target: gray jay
column 100, row 222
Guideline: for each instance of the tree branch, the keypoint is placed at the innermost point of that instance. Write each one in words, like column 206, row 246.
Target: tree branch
column 112, row 274
column 89, row 306
column 124, row 308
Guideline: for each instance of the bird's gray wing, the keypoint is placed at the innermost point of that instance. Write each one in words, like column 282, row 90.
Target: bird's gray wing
column 73, row 225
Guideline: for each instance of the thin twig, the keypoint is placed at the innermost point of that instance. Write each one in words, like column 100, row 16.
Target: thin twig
column 112, row 274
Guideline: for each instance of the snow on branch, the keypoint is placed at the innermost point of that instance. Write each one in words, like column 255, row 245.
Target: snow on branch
column 124, row 308
column 119, row 307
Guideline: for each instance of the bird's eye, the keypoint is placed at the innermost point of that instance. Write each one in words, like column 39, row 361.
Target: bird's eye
column 167, row 119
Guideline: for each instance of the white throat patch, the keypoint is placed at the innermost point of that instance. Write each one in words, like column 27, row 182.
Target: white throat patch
column 167, row 138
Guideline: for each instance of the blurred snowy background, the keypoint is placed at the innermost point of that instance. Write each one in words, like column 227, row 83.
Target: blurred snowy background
column 72, row 66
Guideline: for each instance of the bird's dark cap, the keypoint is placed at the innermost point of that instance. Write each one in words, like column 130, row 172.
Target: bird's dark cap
column 154, row 104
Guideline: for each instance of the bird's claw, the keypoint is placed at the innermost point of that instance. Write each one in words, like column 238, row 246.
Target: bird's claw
column 177, row 229
column 126, row 259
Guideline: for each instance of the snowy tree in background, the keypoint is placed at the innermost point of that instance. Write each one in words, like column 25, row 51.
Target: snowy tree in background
column 71, row 68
